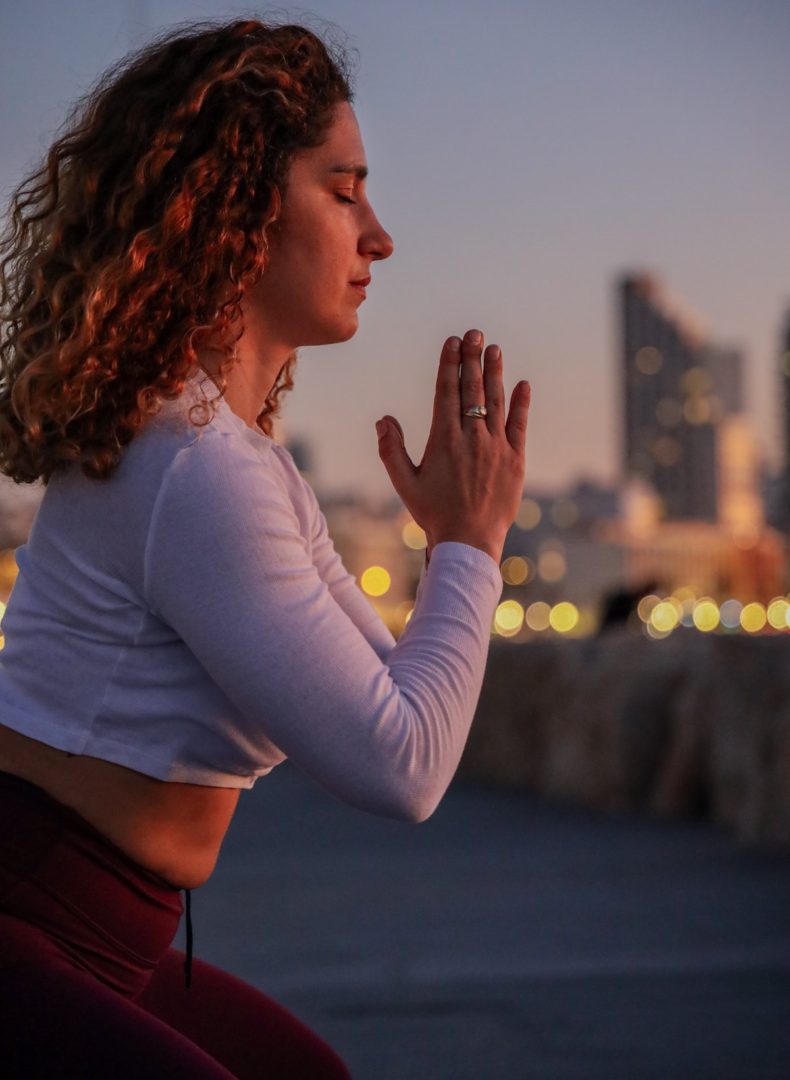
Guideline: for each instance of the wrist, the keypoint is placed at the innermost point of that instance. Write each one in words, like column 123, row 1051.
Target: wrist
column 491, row 547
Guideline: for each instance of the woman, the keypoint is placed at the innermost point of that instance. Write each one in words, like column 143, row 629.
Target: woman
column 181, row 622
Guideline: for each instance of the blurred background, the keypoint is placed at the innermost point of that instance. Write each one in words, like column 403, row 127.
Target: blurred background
column 601, row 187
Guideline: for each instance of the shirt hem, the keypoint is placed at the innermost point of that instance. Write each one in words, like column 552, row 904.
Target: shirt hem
column 118, row 754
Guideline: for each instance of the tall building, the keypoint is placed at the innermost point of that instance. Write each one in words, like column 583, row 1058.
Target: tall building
column 677, row 388
column 725, row 365
column 781, row 507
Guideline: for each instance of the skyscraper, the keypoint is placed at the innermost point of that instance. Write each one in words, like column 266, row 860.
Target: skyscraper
column 781, row 502
column 668, row 435
column 785, row 368
column 677, row 388
column 725, row 365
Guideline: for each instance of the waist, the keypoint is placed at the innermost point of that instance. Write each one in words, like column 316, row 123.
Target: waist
column 174, row 830
column 98, row 908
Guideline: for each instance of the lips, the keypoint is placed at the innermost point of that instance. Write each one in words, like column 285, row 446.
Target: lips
column 360, row 286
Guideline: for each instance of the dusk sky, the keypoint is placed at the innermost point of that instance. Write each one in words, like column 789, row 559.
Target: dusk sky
column 522, row 155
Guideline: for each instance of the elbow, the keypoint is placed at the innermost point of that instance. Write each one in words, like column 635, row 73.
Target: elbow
column 414, row 808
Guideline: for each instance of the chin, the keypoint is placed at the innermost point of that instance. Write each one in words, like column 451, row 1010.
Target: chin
column 336, row 333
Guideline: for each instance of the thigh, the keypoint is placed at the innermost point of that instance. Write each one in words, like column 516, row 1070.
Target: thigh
column 250, row 1033
column 56, row 1020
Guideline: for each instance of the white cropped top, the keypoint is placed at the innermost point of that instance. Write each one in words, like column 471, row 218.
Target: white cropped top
column 190, row 618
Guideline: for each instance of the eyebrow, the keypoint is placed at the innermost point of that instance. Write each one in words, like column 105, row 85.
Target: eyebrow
column 360, row 171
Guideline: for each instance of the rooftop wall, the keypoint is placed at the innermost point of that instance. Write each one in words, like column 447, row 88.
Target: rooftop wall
column 695, row 725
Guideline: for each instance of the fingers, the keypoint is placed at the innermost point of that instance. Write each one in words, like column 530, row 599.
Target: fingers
column 397, row 462
column 516, row 427
column 494, row 392
column 447, row 399
column 477, row 385
column 396, row 425
column 472, row 389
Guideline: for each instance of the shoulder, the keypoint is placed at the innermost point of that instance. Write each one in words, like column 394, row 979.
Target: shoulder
column 222, row 464
column 224, row 467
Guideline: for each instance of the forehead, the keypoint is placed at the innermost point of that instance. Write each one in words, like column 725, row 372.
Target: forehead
column 342, row 146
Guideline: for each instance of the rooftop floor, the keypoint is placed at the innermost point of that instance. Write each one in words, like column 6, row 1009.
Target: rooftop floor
column 506, row 938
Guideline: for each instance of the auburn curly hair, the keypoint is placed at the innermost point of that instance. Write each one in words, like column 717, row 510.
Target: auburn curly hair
column 135, row 241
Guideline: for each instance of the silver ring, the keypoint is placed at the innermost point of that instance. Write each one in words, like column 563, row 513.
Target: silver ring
column 479, row 411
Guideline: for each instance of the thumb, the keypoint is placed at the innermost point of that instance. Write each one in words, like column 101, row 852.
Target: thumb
column 392, row 452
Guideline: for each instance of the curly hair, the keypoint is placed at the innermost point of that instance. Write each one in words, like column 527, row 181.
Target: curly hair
column 135, row 241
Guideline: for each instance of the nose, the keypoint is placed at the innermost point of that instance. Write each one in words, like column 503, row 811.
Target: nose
column 376, row 242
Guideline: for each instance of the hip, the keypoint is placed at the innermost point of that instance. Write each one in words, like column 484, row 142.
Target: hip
column 174, row 830
column 97, row 909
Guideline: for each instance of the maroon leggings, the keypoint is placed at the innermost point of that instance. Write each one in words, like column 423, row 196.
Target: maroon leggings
column 89, row 985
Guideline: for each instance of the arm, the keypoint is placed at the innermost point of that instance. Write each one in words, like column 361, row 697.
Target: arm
column 227, row 567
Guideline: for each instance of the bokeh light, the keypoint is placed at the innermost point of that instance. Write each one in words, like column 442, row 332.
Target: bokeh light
column 551, row 565
column 646, row 605
column 537, row 615
column 730, row 614
column 509, row 618
column 563, row 617
column 697, row 410
column 648, row 360
column 706, row 614
column 683, row 593
column 375, row 581
column 687, row 611
column 529, row 515
column 753, row 617
column 777, row 613
column 697, row 380
column 516, row 570
column 413, row 536
column 665, row 616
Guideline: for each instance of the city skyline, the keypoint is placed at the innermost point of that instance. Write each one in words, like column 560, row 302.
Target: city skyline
column 523, row 157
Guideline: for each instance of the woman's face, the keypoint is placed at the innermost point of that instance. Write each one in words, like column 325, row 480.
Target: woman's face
column 323, row 242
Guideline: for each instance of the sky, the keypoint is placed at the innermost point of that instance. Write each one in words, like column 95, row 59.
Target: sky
column 522, row 156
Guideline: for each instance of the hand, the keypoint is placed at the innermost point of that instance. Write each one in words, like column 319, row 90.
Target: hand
column 469, row 483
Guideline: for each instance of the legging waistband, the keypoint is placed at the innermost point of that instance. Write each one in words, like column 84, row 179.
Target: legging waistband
column 104, row 911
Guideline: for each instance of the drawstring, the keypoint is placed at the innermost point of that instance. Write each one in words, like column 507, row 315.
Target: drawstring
column 188, row 960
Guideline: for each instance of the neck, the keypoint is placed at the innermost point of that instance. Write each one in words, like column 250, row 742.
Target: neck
column 251, row 379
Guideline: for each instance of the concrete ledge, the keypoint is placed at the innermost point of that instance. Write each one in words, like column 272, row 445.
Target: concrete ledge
column 695, row 725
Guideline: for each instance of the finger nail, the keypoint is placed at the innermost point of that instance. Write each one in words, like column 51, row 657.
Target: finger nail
column 381, row 428
column 473, row 337
column 454, row 344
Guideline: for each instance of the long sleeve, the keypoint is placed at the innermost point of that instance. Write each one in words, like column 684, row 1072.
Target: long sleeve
column 227, row 567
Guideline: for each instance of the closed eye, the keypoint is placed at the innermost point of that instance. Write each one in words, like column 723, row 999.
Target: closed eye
column 346, row 199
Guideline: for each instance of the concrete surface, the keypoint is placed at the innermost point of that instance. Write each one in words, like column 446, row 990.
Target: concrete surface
column 506, row 937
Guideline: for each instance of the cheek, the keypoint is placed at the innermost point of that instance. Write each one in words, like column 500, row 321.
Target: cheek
column 311, row 261
column 308, row 262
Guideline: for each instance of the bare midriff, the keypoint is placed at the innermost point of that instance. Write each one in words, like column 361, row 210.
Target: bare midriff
column 173, row 829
